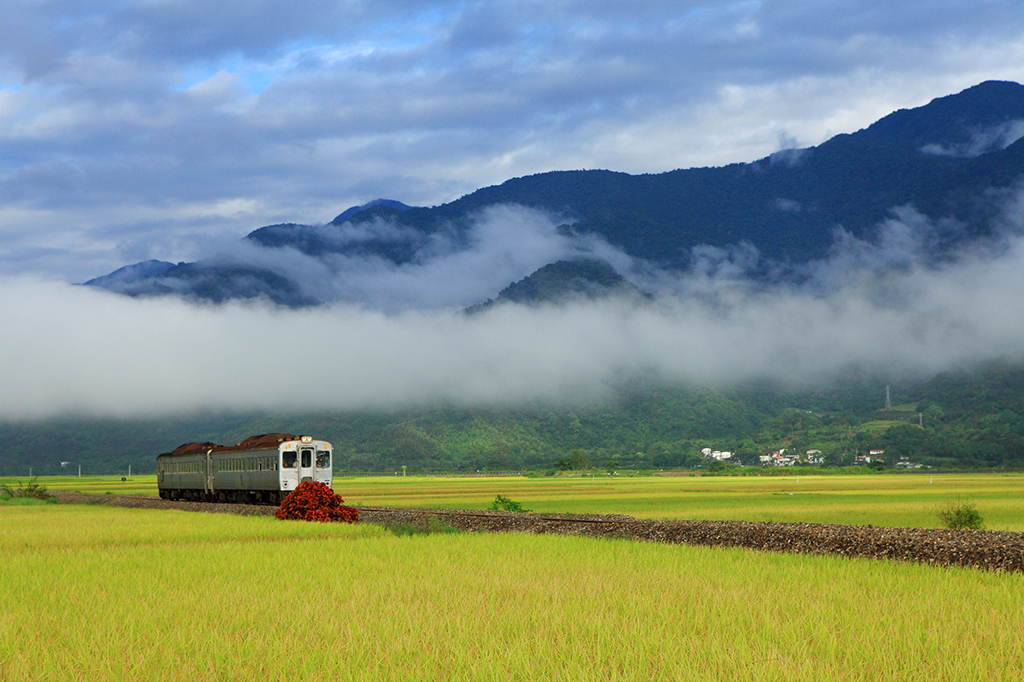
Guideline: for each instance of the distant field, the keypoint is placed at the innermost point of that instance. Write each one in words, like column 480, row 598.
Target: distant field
column 907, row 500
column 100, row 593
column 134, row 485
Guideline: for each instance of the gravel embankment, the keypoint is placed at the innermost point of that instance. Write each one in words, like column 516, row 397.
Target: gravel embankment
column 146, row 502
column 990, row 550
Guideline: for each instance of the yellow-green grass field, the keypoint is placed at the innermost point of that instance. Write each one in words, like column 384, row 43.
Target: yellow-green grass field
column 100, row 485
column 898, row 500
column 90, row 592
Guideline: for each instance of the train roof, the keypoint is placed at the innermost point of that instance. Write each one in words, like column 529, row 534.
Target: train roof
column 261, row 442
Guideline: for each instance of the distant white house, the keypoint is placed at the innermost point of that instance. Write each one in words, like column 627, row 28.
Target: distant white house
column 872, row 456
column 716, row 454
column 779, row 458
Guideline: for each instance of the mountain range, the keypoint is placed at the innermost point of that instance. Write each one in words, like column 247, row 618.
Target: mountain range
column 938, row 182
column 945, row 161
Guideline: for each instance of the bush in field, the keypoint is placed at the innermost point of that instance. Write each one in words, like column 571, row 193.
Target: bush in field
column 502, row 503
column 315, row 501
column 961, row 515
column 30, row 489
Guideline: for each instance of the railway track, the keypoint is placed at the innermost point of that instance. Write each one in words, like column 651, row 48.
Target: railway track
column 988, row 550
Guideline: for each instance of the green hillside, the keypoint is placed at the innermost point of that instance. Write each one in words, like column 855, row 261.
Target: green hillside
column 968, row 419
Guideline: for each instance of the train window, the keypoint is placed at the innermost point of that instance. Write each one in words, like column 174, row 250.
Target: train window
column 288, row 459
column 323, row 459
column 307, row 458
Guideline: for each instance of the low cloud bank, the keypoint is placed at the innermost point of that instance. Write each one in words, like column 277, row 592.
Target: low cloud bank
column 69, row 349
column 448, row 269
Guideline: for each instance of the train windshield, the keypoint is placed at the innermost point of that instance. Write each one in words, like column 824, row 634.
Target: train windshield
column 307, row 458
column 323, row 459
column 288, row 459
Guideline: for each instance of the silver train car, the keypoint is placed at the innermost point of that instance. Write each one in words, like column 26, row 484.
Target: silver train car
column 259, row 470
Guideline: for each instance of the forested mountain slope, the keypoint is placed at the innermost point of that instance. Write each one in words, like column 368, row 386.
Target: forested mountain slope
column 948, row 160
column 964, row 419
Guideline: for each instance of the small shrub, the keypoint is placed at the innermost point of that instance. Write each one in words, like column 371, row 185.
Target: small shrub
column 961, row 515
column 502, row 503
column 30, row 489
column 315, row 501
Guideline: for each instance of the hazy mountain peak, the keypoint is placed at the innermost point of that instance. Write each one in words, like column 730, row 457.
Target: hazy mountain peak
column 119, row 279
column 982, row 118
column 564, row 280
column 355, row 210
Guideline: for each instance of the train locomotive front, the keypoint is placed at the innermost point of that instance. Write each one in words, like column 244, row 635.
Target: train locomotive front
column 259, row 470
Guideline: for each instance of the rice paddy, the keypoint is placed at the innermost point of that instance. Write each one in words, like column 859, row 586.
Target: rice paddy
column 909, row 500
column 104, row 593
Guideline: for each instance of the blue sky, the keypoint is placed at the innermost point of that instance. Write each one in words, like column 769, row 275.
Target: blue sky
column 161, row 129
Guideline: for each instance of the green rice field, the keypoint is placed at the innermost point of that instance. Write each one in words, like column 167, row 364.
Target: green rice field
column 903, row 500
column 91, row 592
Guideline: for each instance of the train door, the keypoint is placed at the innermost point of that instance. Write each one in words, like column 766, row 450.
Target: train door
column 289, row 468
column 323, row 463
column 306, row 457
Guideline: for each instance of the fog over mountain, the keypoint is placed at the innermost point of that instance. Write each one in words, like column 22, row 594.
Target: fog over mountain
column 897, row 250
column 887, row 306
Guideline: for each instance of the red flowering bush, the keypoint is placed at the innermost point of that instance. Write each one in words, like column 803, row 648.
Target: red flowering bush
column 315, row 501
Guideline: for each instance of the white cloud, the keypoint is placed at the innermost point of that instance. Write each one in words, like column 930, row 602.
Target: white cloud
column 78, row 350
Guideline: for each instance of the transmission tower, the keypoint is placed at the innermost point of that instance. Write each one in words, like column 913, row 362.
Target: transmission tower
column 888, row 399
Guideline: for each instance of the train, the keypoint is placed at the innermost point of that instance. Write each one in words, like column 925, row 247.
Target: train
column 261, row 469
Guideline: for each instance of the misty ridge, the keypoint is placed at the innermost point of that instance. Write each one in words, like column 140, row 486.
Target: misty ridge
column 917, row 186
column 898, row 250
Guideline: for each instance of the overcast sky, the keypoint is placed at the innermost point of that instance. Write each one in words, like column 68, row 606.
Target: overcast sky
column 165, row 128
column 169, row 129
